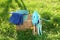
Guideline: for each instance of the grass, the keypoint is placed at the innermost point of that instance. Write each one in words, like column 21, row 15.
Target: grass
column 48, row 9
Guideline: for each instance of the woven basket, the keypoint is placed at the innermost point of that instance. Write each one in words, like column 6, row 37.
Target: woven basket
column 26, row 24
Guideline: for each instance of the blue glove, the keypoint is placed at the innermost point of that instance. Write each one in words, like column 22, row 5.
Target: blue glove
column 39, row 28
column 25, row 12
column 16, row 18
column 35, row 18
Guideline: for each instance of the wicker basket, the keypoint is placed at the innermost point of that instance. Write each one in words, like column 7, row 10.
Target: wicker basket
column 26, row 25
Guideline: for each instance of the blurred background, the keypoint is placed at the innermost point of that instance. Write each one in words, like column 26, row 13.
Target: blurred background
column 48, row 9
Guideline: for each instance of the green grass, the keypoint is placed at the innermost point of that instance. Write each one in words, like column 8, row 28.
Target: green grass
column 48, row 9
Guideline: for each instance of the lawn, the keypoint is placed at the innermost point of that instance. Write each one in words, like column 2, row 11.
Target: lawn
column 48, row 9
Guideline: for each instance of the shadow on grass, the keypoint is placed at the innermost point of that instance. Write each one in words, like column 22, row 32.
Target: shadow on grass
column 25, row 35
column 50, row 34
